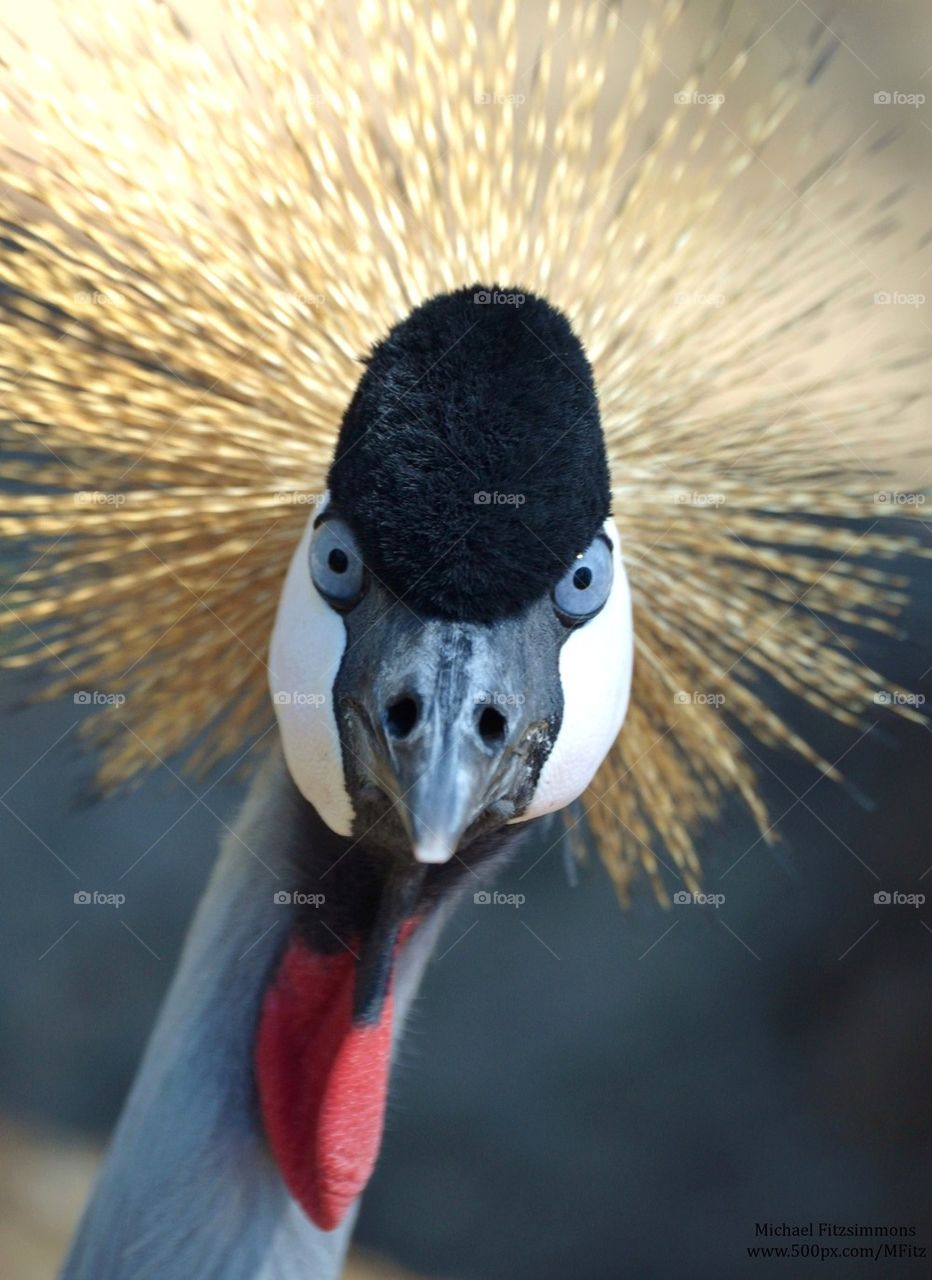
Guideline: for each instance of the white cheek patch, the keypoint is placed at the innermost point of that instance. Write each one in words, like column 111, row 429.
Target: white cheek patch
column 596, row 663
column 305, row 655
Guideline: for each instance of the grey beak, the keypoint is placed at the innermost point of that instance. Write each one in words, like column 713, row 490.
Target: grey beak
column 446, row 767
column 451, row 720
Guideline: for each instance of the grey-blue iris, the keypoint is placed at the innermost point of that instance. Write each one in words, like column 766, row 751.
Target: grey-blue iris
column 585, row 586
column 337, row 567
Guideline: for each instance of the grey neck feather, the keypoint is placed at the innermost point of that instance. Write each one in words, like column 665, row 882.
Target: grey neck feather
column 189, row 1190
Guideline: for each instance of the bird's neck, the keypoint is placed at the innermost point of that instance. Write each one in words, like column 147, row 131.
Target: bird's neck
column 189, row 1187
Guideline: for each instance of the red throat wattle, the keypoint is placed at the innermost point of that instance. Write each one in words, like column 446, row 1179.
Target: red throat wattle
column 323, row 1080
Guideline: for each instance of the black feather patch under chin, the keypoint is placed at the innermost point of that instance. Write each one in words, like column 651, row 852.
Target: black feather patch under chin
column 471, row 462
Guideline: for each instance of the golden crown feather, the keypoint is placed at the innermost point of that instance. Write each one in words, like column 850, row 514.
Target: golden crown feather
column 204, row 236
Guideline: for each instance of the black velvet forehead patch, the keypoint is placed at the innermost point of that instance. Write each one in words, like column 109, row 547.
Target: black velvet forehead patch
column 470, row 461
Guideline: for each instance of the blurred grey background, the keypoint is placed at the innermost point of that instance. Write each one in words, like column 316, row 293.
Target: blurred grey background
column 583, row 1090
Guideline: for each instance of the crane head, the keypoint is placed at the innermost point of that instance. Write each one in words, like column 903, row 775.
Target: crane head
column 451, row 658
column 453, row 647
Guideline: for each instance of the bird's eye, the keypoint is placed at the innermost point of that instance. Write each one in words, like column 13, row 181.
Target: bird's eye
column 337, row 567
column 585, row 586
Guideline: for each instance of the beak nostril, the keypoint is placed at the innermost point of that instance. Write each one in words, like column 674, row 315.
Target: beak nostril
column 401, row 716
column 492, row 726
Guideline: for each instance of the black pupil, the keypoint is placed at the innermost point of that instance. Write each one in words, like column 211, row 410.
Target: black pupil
column 338, row 560
column 582, row 578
